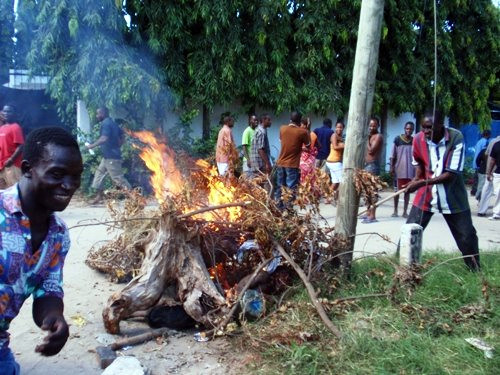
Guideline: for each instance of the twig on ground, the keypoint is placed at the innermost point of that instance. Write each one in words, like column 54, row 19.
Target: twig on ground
column 310, row 290
column 114, row 221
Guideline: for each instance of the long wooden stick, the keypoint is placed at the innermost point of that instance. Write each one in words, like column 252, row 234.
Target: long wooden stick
column 138, row 339
column 399, row 192
column 312, row 294
column 211, row 208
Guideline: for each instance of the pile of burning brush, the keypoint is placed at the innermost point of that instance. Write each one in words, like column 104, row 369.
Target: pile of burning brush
column 209, row 240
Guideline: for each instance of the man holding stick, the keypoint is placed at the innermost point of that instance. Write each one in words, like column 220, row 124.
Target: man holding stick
column 438, row 155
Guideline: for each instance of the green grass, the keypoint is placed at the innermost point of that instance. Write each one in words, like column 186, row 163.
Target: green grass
column 419, row 330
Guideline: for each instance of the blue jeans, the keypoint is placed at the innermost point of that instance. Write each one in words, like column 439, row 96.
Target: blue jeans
column 288, row 177
column 8, row 365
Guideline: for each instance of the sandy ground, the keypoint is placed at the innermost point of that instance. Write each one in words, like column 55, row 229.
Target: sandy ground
column 87, row 292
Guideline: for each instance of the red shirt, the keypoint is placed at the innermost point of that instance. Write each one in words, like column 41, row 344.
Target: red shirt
column 11, row 136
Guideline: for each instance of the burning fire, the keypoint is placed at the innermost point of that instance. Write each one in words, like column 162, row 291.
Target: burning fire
column 166, row 178
column 160, row 160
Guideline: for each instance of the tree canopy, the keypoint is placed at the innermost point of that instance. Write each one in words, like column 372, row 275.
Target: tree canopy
column 280, row 54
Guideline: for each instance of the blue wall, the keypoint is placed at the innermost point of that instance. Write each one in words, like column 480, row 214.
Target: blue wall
column 471, row 135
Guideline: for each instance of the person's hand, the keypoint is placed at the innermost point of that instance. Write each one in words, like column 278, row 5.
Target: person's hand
column 248, row 164
column 414, row 185
column 489, row 177
column 56, row 338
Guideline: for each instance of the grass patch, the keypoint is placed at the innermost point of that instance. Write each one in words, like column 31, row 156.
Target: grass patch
column 417, row 330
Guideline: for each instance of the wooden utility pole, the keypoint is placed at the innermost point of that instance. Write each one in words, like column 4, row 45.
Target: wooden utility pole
column 360, row 104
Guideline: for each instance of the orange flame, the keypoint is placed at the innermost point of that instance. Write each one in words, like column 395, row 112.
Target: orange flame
column 160, row 160
column 166, row 178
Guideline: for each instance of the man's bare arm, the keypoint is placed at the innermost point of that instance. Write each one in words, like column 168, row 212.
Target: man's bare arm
column 14, row 156
column 48, row 315
column 375, row 145
column 265, row 157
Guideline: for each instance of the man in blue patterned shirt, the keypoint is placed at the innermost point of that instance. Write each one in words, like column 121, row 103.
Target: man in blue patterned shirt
column 34, row 241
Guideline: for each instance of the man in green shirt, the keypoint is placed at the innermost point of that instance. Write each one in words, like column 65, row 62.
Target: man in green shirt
column 246, row 141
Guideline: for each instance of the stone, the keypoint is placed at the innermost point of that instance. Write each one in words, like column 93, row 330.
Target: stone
column 125, row 365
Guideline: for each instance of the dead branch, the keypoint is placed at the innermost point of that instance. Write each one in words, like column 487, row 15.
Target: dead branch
column 115, row 221
column 310, row 290
column 212, row 208
column 376, row 204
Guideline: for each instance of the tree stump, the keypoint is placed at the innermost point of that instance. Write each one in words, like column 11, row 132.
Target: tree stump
column 173, row 270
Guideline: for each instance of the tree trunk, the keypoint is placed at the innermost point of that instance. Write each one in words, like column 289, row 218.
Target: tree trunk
column 206, row 122
column 360, row 104
column 173, row 273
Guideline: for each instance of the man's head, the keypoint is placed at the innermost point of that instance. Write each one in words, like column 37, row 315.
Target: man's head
column 102, row 113
column 229, row 121
column 409, row 128
column 296, row 117
column 252, row 121
column 486, row 133
column 339, row 128
column 51, row 168
column 9, row 113
column 265, row 120
column 327, row 122
column 433, row 124
column 373, row 125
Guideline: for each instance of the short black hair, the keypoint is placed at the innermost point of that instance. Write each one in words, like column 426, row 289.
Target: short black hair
column 486, row 133
column 39, row 138
column 296, row 117
column 375, row 118
column 104, row 109
column 410, row 123
column 327, row 122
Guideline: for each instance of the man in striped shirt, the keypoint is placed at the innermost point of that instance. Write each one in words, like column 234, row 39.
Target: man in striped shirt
column 438, row 155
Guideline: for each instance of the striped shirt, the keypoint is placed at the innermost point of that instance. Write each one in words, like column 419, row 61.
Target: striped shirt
column 445, row 156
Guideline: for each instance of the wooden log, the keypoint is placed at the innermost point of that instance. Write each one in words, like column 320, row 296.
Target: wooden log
column 138, row 339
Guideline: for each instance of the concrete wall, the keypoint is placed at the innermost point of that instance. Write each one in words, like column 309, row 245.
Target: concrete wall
column 394, row 126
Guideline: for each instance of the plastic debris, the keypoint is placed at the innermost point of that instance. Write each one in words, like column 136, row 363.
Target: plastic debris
column 249, row 245
column 201, row 337
column 480, row 344
column 253, row 303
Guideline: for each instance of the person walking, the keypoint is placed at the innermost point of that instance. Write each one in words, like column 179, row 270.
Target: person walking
column 110, row 140
column 493, row 175
column 487, row 192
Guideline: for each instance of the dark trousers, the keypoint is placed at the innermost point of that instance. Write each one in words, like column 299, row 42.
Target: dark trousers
column 461, row 228
column 287, row 177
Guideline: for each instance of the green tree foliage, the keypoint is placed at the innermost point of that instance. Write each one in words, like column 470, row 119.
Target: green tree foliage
column 6, row 34
column 467, row 58
column 27, row 11
column 89, row 53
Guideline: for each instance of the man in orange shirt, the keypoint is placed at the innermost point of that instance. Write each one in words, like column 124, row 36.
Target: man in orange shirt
column 11, row 146
column 292, row 138
column 225, row 150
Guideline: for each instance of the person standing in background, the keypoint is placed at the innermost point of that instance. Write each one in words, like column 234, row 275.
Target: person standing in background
column 323, row 134
column 308, row 155
column 11, row 147
column 292, row 138
column 487, row 191
column 480, row 145
column 334, row 160
column 402, row 169
column 372, row 163
column 225, row 149
column 246, row 142
column 260, row 152
column 493, row 175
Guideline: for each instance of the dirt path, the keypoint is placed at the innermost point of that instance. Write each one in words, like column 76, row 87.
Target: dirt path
column 86, row 293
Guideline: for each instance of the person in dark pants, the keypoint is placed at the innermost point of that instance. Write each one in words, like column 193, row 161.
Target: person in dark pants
column 438, row 154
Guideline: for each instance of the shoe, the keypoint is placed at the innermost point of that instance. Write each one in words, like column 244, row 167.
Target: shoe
column 494, row 217
column 364, row 217
column 395, row 215
column 481, row 214
column 405, row 216
column 369, row 221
